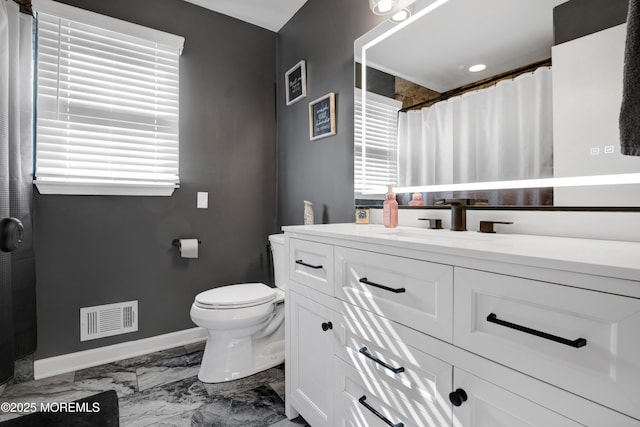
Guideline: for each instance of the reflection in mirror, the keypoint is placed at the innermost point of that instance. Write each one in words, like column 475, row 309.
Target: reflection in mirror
column 501, row 132
column 459, row 103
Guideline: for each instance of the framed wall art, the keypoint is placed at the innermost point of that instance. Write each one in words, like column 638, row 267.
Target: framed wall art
column 296, row 83
column 322, row 117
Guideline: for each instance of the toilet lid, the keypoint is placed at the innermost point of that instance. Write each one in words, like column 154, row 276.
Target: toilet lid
column 236, row 296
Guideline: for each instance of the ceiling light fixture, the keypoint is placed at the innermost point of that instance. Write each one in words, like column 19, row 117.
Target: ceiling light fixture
column 477, row 67
column 402, row 15
column 383, row 7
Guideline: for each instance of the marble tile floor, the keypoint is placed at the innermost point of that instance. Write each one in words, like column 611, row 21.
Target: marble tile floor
column 162, row 389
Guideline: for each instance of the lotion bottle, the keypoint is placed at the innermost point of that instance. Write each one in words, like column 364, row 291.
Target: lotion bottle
column 308, row 213
column 390, row 209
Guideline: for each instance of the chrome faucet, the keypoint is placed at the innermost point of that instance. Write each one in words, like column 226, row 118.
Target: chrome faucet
column 459, row 211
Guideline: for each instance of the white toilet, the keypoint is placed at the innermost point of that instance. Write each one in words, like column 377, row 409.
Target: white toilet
column 245, row 324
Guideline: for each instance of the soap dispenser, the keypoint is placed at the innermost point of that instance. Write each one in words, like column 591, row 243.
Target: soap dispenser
column 308, row 213
column 390, row 209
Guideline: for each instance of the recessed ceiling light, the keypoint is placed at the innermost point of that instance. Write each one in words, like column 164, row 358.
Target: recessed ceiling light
column 477, row 67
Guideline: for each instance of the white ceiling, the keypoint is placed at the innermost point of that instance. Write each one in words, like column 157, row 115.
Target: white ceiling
column 269, row 14
column 437, row 50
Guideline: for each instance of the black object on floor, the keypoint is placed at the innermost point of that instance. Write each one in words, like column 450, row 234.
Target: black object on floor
column 99, row 410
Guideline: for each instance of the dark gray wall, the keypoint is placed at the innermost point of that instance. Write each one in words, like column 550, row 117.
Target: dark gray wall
column 97, row 250
column 322, row 33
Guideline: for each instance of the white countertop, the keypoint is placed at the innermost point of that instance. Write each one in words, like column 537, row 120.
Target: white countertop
column 596, row 257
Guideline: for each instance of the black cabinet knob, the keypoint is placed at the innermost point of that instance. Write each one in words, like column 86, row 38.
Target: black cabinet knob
column 326, row 326
column 457, row 397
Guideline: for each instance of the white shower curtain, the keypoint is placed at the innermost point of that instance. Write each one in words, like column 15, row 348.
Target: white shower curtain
column 17, row 271
column 503, row 132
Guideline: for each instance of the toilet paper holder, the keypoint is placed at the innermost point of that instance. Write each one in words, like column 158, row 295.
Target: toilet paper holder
column 176, row 242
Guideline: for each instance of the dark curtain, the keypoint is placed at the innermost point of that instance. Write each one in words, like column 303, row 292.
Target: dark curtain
column 17, row 268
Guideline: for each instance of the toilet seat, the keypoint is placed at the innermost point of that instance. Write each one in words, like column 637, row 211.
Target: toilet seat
column 235, row 296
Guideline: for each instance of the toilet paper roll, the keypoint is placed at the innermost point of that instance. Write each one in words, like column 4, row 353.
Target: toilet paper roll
column 188, row 248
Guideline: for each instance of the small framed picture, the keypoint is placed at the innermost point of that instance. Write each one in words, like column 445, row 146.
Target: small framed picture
column 362, row 215
column 322, row 117
column 295, row 81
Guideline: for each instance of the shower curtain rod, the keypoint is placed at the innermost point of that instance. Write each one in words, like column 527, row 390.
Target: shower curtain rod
column 454, row 92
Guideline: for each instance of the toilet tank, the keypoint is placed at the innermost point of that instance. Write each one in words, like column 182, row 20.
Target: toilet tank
column 277, row 252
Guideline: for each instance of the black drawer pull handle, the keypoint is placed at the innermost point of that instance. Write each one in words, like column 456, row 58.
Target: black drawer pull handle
column 378, row 414
column 386, row 288
column 315, row 267
column 577, row 343
column 326, row 326
column 458, row 397
column 365, row 352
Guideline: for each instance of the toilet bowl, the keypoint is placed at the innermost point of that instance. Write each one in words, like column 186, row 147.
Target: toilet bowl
column 245, row 324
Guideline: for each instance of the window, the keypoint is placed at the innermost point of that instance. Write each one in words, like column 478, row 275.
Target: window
column 376, row 161
column 107, row 105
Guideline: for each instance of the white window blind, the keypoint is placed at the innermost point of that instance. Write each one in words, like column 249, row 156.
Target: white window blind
column 376, row 158
column 107, row 105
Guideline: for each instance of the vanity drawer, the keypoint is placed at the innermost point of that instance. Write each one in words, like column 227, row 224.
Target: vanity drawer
column 582, row 341
column 415, row 293
column 388, row 360
column 311, row 264
column 359, row 398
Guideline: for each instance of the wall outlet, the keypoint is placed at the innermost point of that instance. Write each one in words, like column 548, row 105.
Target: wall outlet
column 203, row 200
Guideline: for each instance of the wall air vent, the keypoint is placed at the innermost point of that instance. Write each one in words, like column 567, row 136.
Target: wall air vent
column 106, row 320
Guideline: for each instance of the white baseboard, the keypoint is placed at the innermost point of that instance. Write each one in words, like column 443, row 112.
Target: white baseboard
column 62, row 364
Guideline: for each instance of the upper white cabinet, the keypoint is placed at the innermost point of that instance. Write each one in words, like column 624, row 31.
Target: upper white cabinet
column 397, row 332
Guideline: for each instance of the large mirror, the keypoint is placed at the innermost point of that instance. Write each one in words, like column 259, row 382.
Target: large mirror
column 471, row 98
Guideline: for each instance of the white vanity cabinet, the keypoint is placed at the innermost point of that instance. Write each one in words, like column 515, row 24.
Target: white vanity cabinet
column 432, row 330
column 310, row 331
column 310, row 368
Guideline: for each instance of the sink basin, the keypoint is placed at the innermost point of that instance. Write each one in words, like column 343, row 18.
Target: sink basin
column 400, row 232
column 429, row 234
